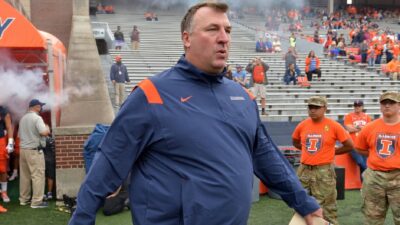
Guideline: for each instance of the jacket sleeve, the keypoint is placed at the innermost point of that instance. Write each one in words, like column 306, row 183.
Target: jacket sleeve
column 112, row 72
column 276, row 172
column 129, row 135
column 126, row 75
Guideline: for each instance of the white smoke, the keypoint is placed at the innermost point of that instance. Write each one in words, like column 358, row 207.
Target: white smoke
column 19, row 85
column 169, row 4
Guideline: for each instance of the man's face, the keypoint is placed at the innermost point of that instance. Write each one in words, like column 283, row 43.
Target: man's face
column 389, row 108
column 358, row 108
column 316, row 112
column 207, row 44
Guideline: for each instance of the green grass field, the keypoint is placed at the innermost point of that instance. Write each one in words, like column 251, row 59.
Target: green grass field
column 265, row 212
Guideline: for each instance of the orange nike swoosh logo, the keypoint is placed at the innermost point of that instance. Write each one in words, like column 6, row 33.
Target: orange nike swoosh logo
column 185, row 99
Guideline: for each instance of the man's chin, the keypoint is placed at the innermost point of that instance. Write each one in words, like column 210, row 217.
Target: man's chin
column 220, row 65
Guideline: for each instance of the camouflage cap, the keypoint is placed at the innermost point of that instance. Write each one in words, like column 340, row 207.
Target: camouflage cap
column 391, row 95
column 317, row 100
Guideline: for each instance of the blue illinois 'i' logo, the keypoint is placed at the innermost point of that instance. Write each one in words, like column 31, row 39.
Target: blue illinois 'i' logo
column 4, row 25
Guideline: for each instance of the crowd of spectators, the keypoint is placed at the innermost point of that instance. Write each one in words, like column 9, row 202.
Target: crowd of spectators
column 367, row 43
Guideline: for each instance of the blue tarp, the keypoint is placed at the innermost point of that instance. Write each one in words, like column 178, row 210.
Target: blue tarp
column 92, row 143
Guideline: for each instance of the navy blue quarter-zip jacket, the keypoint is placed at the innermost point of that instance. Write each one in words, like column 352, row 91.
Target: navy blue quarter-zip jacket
column 192, row 142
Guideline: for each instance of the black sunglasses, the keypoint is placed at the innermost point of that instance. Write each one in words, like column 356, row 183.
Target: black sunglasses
column 314, row 107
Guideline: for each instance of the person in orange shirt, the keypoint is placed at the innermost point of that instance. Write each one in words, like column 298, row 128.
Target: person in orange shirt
column 380, row 140
column 393, row 69
column 378, row 53
column 316, row 137
column 396, row 50
column 354, row 122
column 6, row 147
column 258, row 70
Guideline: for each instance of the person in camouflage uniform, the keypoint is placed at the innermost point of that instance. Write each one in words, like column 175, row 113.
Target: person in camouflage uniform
column 316, row 137
column 380, row 140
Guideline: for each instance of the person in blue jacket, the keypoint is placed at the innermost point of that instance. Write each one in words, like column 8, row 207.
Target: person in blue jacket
column 191, row 140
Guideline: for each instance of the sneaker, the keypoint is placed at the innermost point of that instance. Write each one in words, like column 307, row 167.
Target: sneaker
column 13, row 177
column 25, row 203
column 2, row 209
column 5, row 197
column 49, row 195
column 40, row 206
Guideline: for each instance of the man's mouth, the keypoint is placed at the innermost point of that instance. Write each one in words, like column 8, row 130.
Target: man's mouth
column 222, row 51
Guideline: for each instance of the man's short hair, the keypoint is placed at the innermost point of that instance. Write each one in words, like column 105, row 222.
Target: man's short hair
column 186, row 24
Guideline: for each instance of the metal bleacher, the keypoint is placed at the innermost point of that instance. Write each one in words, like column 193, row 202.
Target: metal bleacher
column 161, row 47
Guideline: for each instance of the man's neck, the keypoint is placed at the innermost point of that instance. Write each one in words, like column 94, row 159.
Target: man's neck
column 318, row 120
column 391, row 120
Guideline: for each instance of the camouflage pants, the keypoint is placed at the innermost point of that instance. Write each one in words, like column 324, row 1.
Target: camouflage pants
column 320, row 181
column 380, row 190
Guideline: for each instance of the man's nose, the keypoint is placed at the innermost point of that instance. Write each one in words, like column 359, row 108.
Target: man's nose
column 224, row 36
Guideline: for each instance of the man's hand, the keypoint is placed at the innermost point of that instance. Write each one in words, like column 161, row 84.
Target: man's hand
column 10, row 146
column 309, row 218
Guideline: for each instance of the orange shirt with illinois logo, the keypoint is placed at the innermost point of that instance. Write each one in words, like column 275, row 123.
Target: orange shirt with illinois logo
column 382, row 142
column 356, row 120
column 318, row 140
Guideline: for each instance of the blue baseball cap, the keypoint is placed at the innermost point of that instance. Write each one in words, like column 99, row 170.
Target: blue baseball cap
column 35, row 102
column 358, row 103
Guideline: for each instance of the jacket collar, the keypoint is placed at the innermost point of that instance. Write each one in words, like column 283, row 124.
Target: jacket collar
column 192, row 72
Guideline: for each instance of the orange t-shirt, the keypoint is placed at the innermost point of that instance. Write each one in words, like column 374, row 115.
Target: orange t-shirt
column 353, row 119
column 258, row 74
column 318, row 140
column 382, row 142
column 396, row 50
column 3, row 150
column 392, row 66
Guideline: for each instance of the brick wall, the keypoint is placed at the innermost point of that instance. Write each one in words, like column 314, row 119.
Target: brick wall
column 69, row 151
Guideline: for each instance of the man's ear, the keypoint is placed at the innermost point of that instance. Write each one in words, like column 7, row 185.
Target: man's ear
column 186, row 39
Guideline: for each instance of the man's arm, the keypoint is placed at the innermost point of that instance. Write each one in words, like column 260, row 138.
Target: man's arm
column 9, row 126
column 276, row 172
column 363, row 152
column 126, row 75
column 112, row 73
column 265, row 65
column 351, row 129
column 41, row 127
column 45, row 132
column 130, row 133
column 347, row 146
column 10, row 133
column 296, row 143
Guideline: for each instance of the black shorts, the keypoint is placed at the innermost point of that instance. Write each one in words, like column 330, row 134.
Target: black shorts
column 50, row 165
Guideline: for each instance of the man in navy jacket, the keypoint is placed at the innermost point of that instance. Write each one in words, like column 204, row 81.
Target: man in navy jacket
column 191, row 140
